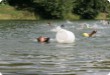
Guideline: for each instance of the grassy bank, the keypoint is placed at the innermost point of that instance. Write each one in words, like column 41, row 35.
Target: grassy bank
column 102, row 16
column 9, row 13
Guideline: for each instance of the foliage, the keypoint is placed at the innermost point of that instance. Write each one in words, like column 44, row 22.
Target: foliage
column 10, row 13
column 54, row 8
column 58, row 9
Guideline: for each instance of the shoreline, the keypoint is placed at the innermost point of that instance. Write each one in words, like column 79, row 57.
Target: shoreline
column 10, row 13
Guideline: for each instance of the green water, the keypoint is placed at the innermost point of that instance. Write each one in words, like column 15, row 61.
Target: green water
column 21, row 54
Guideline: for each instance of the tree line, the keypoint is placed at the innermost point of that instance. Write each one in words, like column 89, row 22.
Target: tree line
column 58, row 9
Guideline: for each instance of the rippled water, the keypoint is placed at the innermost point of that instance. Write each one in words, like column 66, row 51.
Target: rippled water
column 21, row 54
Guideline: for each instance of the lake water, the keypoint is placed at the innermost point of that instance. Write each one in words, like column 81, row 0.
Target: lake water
column 21, row 54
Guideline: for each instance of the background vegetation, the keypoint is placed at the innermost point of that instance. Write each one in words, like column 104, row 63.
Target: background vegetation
column 58, row 9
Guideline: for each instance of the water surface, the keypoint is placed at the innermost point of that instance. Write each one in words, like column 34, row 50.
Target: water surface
column 21, row 54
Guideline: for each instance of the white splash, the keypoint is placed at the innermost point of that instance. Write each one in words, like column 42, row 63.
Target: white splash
column 109, row 0
column 104, row 22
column 0, row 0
column 63, row 35
column 108, row 73
column 0, row 73
column 69, row 22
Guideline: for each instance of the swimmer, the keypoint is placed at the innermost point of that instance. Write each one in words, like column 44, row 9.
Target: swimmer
column 62, row 25
column 90, row 34
column 43, row 39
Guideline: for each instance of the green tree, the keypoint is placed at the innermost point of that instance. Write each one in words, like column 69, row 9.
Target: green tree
column 20, row 4
column 49, row 9
column 55, row 8
column 59, row 9
column 89, row 9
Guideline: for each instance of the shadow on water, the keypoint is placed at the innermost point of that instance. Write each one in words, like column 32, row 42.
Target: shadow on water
column 21, row 55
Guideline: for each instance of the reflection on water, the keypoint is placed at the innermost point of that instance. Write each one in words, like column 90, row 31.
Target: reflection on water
column 21, row 54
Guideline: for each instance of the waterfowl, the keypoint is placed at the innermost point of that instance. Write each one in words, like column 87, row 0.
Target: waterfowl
column 43, row 39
